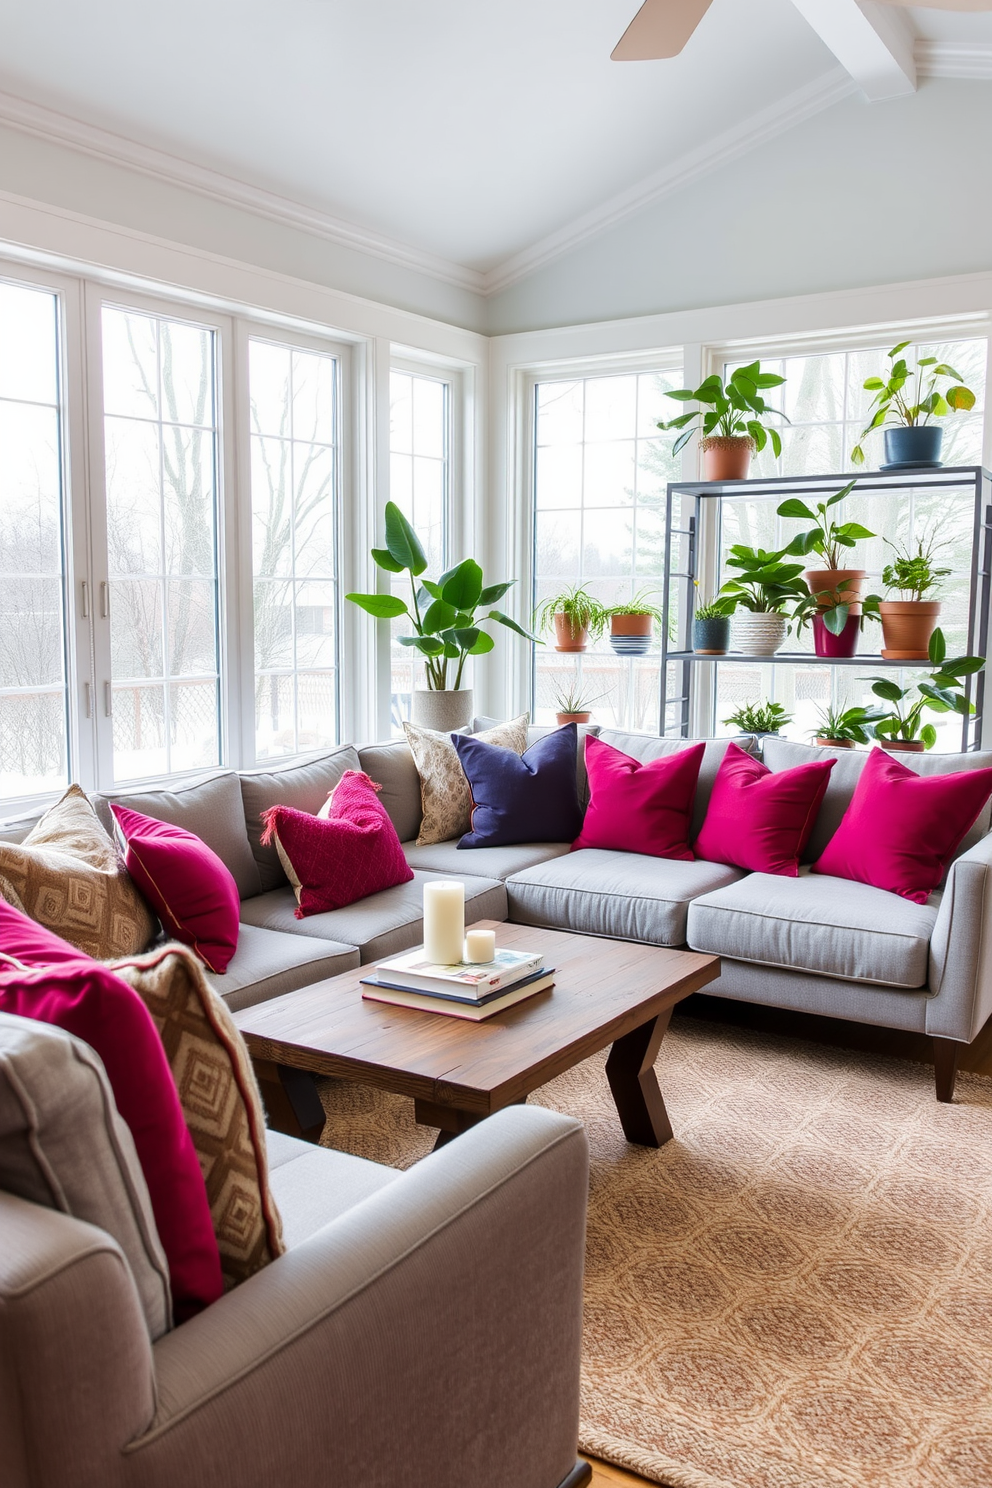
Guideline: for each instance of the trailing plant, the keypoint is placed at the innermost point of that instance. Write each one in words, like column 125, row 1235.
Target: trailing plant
column 941, row 693
column 584, row 611
column 571, row 700
column 447, row 629
column 826, row 536
column 759, row 718
column 855, row 725
column 639, row 604
column 765, row 585
column 728, row 411
column 911, row 398
column 912, row 574
column 833, row 609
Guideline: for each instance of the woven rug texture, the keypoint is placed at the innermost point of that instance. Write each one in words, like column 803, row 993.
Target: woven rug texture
column 795, row 1292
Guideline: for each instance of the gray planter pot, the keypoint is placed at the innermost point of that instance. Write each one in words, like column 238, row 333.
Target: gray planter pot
column 442, row 711
column 711, row 637
column 913, row 447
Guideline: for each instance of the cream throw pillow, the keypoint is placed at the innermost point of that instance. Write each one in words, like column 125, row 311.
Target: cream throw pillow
column 66, row 874
column 444, row 791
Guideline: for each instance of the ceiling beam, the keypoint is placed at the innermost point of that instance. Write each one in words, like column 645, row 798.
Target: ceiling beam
column 874, row 42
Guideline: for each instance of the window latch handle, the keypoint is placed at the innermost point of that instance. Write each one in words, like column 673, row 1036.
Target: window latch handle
column 107, row 703
column 88, row 694
column 86, row 599
column 105, row 600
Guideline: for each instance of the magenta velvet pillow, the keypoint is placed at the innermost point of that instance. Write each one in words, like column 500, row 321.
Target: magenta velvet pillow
column 758, row 818
column 640, row 808
column 901, row 829
column 186, row 884
column 349, row 851
column 55, row 983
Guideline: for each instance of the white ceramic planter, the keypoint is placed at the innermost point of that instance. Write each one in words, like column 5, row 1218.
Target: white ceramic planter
column 442, row 711
column 757, row 635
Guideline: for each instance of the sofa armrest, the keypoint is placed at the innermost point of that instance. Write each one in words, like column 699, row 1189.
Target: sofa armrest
column 430, row 1336
column 961, row 948
column 76, row 1379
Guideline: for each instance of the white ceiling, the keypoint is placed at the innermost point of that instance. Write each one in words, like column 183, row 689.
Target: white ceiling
column 466, row 130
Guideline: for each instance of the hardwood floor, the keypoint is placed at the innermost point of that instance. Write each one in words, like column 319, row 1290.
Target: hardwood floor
column 843, row 1035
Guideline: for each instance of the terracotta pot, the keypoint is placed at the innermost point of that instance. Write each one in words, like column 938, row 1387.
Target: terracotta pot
column 564, row 718
column 825, row 643
column 907, row 625
column 903, row 746
column 834, row 743
column 758, row 634
column 726, row 457
column 630, row 635
column 848, row 581
column 569, row 638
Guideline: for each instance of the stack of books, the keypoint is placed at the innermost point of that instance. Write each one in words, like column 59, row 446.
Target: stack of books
column 462, row 990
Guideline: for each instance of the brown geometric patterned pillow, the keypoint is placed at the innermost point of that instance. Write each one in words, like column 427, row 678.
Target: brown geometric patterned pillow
column 223, row 1109
column 66, row 875
column 444, row 791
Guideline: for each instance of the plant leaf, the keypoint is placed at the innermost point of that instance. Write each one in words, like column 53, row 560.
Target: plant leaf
column 429, row 645
column 440, row 616
column 402, row 542
column 795, row 508
column 463, row 587
column 386, row 560
column 382, row 606
column 493, row 592
column 938, row 647
column 483, row 644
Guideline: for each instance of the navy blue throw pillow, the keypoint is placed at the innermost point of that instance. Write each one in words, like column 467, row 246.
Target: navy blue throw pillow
column 530, row 797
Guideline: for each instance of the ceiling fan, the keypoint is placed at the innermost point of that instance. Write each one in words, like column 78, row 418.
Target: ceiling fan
column 661, row 28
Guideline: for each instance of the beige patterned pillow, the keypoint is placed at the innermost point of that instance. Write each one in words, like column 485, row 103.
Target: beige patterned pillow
column 444, row 791
column 66, row 875
column 221, row 1103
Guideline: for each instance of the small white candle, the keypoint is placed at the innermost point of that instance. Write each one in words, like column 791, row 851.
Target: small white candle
column 444, row 922
column 480, row 946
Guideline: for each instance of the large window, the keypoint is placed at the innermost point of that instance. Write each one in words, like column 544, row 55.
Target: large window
column 293, row 396
column 601, row 468
column 419, row 481
column 33, row 716
column 159, row 389
column 827, row 406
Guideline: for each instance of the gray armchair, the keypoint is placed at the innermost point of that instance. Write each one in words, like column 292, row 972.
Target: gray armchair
column 423, row 1329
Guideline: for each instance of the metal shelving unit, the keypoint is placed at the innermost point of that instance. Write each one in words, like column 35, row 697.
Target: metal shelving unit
column 975, row 485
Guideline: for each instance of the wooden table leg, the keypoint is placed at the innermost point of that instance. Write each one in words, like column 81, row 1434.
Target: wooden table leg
column 291, row 1100
column 630, row 1071
column 451, row 1122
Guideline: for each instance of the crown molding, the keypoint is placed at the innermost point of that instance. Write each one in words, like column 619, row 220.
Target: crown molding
column 951, row 59
column 102, row 144
column 728, row 146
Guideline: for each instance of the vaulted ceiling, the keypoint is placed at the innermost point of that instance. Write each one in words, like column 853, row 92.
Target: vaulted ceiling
column 482, row 134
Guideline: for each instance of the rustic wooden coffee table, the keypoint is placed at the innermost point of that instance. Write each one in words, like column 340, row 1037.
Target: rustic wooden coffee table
column 458, row 1072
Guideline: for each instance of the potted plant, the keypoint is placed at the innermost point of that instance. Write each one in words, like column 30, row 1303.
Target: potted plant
column 711, row 625
column 732, row 427
column 631, row 625
column 842, row 728
column 758, row 718
column 446, row 628
column 907, row 402
column 902, row 727
column 837, row 624
column 575, row 616
column 573, row 706
column 830, row 540
column 908, row 622
column 762, row 593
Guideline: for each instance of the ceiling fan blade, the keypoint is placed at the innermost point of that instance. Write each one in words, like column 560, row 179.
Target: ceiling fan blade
column 660, row 28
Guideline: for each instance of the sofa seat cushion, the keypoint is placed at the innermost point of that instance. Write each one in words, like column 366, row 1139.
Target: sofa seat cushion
column 482, row 862
column 624, row 896
column 268, row 963
column 315, row 1185
column 815, row 923
column 381, row 925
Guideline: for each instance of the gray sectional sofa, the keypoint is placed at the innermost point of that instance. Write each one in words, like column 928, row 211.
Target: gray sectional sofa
column 816, row 944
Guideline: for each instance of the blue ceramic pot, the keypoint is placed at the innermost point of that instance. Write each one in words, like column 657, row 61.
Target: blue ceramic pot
column 913, row 445
column 711, row 636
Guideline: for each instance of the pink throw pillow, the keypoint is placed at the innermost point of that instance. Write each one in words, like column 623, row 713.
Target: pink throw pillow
column 758, row 818
column 640, row 807
column 349, row 851
column 44, row 978
column 901, row 829
column 185, row 882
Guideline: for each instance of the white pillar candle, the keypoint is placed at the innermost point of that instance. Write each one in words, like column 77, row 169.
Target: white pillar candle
column 480, row 946
column 444, row 922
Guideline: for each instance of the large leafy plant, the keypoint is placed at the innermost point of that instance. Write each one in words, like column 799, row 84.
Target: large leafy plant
column 941, row 693
column 826, row 537
column 447, row 629
column 765, row 585
column 730, row 410
column 853, row 725
column 912, row 397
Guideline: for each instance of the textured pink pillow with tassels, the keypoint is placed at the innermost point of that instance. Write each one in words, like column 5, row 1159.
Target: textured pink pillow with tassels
column 349, row 851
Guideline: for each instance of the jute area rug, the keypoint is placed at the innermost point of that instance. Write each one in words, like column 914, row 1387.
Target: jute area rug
column 796, row 1292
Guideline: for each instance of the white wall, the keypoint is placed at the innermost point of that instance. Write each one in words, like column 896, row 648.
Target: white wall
column 861, row 194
